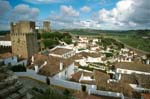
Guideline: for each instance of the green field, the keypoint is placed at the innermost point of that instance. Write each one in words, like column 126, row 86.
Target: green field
column 134, row 41
column 137, row 42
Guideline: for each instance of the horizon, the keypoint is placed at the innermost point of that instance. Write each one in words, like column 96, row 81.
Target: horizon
column 117, row 15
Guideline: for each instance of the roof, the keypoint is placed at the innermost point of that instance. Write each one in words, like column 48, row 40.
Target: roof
column 5, row 38
column 143, row 80
column 131, row 79
column 76, row 76
column 101, row 82
column 60, row 51
column 133, row 66
column 53, row 63
column 146, row 95
column 5, row 55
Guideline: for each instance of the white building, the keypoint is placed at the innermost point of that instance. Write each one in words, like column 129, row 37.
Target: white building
column 65, row 72
column 11, row 60
column 5, row 43
column 62, row 52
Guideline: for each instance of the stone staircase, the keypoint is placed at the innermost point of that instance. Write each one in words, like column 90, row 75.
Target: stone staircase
column 10, row 87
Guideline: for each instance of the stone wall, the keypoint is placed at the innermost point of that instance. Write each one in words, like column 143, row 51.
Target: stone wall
column 10, row 87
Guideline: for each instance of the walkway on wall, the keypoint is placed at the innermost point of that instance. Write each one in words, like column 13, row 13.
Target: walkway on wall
column 92, row 89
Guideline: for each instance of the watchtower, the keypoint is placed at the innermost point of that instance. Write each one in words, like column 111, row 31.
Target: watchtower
column 46, row 26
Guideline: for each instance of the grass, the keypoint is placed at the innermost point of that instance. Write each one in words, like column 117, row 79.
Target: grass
column 136, row 42
column 133, row 40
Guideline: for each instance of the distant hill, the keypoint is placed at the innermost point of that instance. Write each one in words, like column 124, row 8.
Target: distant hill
column 4, row 32
column 97, row 32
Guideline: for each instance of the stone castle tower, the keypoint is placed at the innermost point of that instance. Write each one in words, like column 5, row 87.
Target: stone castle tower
column 23, row 38
column 46, row 26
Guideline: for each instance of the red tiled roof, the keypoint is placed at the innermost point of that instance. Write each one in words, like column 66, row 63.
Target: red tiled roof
column 60, row 51
column 53, row 64
column 133, row 66
column 5, row 55
column 146, row 95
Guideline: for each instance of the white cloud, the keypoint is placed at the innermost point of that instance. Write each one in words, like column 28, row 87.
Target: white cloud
column 128, row 14
column 25, row 12
column 87, row 24
column 69, row 11
column 4, row 8
column 85, row 9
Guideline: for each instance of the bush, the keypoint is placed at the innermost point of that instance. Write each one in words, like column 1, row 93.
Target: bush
column 86, row 68
column 108, row 54
column 66, row 92
column 52, row 39
column 81, row 49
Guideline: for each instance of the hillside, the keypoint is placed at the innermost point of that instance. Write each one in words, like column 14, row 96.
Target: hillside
column 139, row 39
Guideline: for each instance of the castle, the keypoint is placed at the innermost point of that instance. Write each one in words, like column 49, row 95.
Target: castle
column 46, row 26
column 24, row 37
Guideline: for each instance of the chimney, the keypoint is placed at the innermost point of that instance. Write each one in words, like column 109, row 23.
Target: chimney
column 32, row 59
column 36, row 68
column 61, row 66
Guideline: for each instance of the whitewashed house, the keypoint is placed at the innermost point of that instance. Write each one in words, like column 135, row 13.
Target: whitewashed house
column 94, row 41
column 5, row 43
column 56, row 64
column 11, row 60
column 62, row 52
column 65, row 72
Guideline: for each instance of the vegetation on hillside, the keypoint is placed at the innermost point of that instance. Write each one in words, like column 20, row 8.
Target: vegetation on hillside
column 136, row 42
column 52, row 39
column 4, row 32
column 109, row 42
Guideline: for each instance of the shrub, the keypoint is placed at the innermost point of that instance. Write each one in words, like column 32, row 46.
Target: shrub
column 66, row 92
column 108, row 54
column 52, row 39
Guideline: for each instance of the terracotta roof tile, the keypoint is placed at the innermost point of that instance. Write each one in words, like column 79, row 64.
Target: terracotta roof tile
column 5, row 55
column 133, row 66
column 146, row 95
column 53, row 64
column 60, row 51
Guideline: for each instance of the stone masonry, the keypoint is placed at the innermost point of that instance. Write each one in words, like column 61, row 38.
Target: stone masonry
column 23, row 38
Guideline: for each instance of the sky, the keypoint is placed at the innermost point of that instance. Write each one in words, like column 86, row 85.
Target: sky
column 70, row 14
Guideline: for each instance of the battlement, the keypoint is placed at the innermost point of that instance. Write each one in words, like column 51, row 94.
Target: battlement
column 22, row 27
